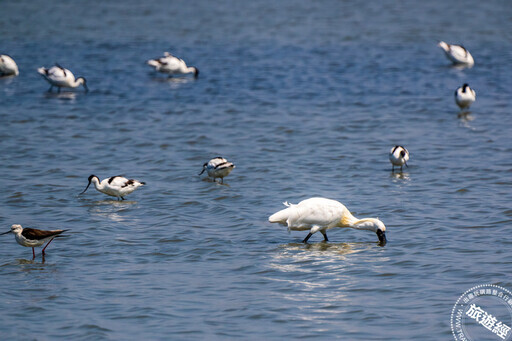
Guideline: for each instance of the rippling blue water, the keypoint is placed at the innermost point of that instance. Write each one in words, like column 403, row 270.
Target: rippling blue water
column 306, row 99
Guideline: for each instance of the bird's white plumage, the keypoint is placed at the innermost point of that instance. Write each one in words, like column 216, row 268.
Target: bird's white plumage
column 457, row 54
column 465, row 96
column 61, row 77
column 398, row 156
column 218, row 167
column 172, row 65
column 8, row 66
column 116, row 186
column 321, row 214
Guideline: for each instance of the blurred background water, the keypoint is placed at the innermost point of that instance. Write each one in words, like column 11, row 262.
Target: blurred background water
column 306, row 98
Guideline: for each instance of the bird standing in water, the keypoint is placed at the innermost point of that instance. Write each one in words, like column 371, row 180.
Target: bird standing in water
column 115, row 186
column 218, row 167
column 33, row 237
column 321, row 214
column 398, row 156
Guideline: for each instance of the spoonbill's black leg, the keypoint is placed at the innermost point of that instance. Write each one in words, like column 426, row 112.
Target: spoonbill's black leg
column 307, row 237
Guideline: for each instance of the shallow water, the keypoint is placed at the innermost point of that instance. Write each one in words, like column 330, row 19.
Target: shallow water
column 306, row 99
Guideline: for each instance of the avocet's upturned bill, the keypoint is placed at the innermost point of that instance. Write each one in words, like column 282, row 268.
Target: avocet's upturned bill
column 465, row 96
column 218, row 167
column 61, row 78
column 33, row 237
column 398, row 156
column 8, row 66
column 116, row 186
column 457, row 54
column 320, row 214
column 172, row 65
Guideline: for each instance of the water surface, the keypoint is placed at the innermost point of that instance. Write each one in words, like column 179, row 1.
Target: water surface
column 306, row 99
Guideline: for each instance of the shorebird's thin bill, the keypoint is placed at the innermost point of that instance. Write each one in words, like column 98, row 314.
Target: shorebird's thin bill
column 86, row 188
column 5, row 233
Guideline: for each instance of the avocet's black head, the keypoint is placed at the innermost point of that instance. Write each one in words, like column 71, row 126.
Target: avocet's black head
column 464, row 86
column 196, row 72
column 90, row 180
column 204, row 168
column 84, row 83
column 402, row 153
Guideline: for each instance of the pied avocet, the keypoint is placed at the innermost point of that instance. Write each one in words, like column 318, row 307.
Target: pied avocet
column 61, row 78
column 172, row 65
column 218, row 167
column 398, row 156
column 115, row 186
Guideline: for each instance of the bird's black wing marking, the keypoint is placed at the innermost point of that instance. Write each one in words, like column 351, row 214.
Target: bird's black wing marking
column 35, row 234
column 112, row 178
column 60, row 67
column 128, row 183
column 223, row 165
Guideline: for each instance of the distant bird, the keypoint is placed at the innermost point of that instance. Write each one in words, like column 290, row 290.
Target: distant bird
column 33, row 237
column 457, row 54
column 218, row 167
column 116, row 186
column 465, row 96
column 172, row 65
column 8, row 66
column 320, row 214
column 61, row 78
column 398, row 156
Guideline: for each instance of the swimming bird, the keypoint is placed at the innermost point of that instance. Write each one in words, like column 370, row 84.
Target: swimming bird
column 398, row 156
column 464, row 96
column 115, row 186
column 321, row 214
column 33, row 237
column 61, row 78
column 8, row 66
column 172, row 65
column 218, row 167
column 457, row 54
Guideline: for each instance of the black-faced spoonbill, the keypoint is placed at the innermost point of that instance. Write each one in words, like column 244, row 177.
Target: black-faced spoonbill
column 321, row 214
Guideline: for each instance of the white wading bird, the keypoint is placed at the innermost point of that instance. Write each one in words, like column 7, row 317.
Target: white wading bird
column 457, row 54
column 398, row 156
column 465, row 96
column 116, row 186
column 8, row 66
column 33, row 237
column 61, row 78
column 320, row 214
column 172, row 65
column 218, row 167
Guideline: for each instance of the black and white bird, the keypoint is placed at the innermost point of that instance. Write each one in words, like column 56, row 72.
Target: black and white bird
column 398, row 156
column 321, row 214
column 172, row 65
column 116, row 186
column 465, row 96
column 218, row 167
column 61, row 78
column 33, row 237
column 457, row 54
column 8, row 66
